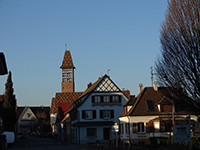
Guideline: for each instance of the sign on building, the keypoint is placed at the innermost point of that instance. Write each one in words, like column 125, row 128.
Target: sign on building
column 181, row 133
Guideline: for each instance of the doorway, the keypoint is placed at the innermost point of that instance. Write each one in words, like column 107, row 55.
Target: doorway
column 106, row 133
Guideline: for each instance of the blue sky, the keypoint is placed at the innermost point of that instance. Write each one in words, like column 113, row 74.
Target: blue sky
column 121, row 35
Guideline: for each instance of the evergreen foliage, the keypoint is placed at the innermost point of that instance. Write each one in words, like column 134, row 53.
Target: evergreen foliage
column 9, row 106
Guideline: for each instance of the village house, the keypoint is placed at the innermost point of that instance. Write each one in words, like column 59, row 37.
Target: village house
column 96, row 111
column 33, row 120
column 152, row 114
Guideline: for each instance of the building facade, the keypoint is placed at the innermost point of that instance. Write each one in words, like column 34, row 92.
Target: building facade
column 153, row 113
column 96, row 111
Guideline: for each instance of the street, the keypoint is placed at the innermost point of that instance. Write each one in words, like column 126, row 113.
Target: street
column 38, row 143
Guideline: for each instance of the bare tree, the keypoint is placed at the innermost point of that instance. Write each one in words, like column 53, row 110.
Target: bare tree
column 179, row 62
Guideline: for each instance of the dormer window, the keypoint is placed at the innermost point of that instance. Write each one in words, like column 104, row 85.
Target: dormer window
column 150, row 105
column 166, row 108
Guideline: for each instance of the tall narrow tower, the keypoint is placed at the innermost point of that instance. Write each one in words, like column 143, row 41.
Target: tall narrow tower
column 67, row 73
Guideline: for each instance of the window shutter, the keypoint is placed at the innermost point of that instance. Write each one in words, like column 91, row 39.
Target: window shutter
column 83, row 114
column 93, row 97
column 111, row 100
column 101, row 99
column 120, row 99
column 134, row 127
column 94, row 114
column 101, row 113
column 112, row 113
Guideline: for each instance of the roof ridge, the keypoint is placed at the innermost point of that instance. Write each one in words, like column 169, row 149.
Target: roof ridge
column 137, row 101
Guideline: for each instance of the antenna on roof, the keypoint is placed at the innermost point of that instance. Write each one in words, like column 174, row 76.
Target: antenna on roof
column 152, row 74
column 65, row 46
column 108, row 71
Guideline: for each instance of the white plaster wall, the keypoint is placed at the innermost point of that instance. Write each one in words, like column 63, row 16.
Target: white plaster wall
column 87, row 105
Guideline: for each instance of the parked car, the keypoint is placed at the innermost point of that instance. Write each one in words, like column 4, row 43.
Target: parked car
column 10, row 137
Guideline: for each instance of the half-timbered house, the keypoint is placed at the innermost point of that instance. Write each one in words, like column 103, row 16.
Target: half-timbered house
column 96, row 111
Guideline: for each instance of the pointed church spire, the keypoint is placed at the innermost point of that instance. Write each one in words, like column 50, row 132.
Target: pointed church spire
column 67, row 73
column 67, row 61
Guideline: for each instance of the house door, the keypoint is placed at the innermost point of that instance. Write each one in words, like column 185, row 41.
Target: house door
column 106, row 133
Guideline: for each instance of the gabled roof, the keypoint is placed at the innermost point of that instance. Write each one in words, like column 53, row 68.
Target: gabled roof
column 148, row 94
column 103, row 84
column 27, row 114
column 67, row 61
column 131, row 101
column 38, row 111
column 63, row 98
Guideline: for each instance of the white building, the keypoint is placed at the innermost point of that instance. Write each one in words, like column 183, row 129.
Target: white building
column 152, row 114
column 96, row 111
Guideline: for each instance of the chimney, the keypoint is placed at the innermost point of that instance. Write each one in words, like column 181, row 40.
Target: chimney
column 140, row 87
column 90, row 84
column 155, row 86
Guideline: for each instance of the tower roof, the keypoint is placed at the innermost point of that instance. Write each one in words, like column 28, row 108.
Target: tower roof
column 67, row 61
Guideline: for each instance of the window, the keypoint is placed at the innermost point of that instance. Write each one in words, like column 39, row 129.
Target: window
column 121, row 127
column 106, row 99
column 134, row 127
column 88, row 114
column 140, row 127
column 115, row 99
column 67, row 70
column 127, row 128
column 150, row 105
column 165, row 126
column 91, row 132
column 106, row 114
column 67, row 79
column 166, row 108
column 97, row 99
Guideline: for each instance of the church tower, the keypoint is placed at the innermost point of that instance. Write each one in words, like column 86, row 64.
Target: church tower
column 67, row 73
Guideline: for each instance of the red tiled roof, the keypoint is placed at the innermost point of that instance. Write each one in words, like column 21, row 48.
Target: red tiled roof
column 67, row 61
column 64, row 106
column 52, row 105
column 63, row 98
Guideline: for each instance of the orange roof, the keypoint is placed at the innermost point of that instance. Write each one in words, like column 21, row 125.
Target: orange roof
column 67, row 61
